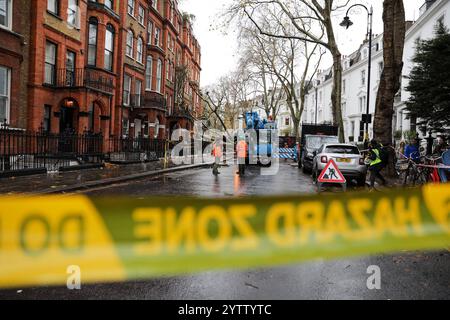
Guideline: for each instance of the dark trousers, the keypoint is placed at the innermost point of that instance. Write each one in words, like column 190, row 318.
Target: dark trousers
column 375, row 172
column 216, row 166
column 241, row 169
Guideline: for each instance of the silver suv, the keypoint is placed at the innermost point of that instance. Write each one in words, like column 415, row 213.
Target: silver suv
column 348, row 159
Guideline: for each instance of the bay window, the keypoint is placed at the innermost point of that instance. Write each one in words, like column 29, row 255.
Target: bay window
column 109, row 47
column 148, row 73
column 92, row 42
column 159, row 75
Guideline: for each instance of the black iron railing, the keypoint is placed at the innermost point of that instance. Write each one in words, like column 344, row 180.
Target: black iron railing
column 136, row 101
column 89, row 78
column 22, row 150
column 155, row 100
column 136, row 149
column 180, row 112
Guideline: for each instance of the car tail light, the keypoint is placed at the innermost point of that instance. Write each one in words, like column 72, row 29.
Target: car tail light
column 361, row 161
column 324, row 159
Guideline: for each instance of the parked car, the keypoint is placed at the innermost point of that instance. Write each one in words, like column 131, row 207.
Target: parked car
column 347, row 157
column 312, row 143
column 312, row 137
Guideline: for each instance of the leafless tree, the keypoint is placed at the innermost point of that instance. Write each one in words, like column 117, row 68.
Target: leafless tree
column 281, row 59
column 305, row 20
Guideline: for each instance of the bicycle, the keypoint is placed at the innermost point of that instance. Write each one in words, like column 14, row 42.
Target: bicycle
column 420, row 173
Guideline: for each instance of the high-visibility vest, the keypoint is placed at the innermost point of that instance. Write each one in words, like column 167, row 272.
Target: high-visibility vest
column 378, row 159
column 217, row 151
column 241, row 149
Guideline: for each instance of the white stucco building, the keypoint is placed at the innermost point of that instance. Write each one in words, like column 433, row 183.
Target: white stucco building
column 354, row 80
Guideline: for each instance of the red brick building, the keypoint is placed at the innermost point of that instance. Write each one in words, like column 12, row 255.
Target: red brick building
column 186, row 105
column 14, row 62
column 73, row 66
column 147, row 104
column 98, row 66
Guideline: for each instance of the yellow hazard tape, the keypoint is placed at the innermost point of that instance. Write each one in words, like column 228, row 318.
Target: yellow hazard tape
column 115, row 239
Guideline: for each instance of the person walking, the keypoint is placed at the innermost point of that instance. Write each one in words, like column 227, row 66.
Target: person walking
column 376, row 164
column 241, row 150
column 217, row 153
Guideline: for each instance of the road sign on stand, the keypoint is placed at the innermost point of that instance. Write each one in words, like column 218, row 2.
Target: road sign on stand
column 331, row 174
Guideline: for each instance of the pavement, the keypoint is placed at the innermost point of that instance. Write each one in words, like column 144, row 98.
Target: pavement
column 63, row 182
column 406, row 275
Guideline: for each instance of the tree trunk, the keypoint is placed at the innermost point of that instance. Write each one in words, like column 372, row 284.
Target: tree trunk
column 390, row 82
column 336, row 94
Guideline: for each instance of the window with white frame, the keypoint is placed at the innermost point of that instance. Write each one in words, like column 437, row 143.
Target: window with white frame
column 140, row 50
column 141, row 15
column 155, row 4
column 5, row 13
column 157, row 36
column 126, row 90
column 92, row 42
column 5, row 84
column 72, row 13
column 149, row 32
column 109, row 47
column 159, row 75
column 137, row 91
column 149, row 73
column 53, row 6
column 129, row 46
column 130, row 7
column 167, row 69
column 362, row 104
column 50, row 63
column 363, row 77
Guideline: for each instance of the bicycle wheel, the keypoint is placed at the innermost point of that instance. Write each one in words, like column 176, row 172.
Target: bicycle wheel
column 409, row 176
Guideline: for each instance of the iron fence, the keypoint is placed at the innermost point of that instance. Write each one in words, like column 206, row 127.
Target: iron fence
column 24, row 150
column 136, row 149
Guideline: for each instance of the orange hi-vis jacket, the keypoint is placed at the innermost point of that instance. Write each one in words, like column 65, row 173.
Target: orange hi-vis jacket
column 242, row 149
column 217, row 151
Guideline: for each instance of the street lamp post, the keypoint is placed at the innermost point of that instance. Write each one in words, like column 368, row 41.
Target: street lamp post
column 347, row 23
column 317, row 104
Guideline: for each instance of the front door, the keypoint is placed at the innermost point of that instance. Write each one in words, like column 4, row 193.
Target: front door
column 66, row 120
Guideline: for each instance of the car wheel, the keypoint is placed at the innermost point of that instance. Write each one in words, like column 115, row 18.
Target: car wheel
column 307, row 170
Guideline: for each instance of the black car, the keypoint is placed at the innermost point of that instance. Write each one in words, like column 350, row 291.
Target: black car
column 308, row 150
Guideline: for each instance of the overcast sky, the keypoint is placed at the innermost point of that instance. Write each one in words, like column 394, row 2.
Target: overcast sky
column 219, row 50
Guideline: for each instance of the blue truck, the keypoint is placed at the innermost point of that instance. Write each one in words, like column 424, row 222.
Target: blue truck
column 263, row 145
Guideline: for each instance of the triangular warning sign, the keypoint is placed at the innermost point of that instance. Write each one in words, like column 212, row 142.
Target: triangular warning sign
column 331, row 174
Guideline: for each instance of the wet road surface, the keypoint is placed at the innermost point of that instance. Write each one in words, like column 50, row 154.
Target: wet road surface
column 415, row 275
column 201, row 182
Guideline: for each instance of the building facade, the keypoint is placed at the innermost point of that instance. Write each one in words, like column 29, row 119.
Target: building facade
column 354, row 79
column 14, row 62
column 97, row 66
column 158, row 50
